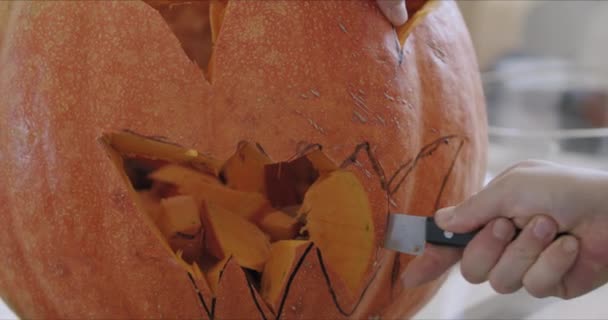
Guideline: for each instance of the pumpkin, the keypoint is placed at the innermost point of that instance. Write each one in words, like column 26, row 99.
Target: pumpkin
column 227, row 159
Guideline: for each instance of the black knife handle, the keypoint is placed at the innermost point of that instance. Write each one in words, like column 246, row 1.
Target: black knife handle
column 437, row 236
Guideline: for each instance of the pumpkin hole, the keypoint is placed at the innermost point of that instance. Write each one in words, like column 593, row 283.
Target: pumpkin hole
column 195, row 24
column 258, row 205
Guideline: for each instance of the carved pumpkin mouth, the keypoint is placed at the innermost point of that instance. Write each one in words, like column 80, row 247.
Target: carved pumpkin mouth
column 249, row 208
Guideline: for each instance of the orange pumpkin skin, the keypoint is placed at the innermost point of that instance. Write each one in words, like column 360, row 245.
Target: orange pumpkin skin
column 285, row 74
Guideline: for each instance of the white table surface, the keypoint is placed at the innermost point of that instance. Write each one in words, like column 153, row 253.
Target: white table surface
column 5, row 312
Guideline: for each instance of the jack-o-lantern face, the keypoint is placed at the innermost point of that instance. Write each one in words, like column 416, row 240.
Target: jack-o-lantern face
column 227, row 159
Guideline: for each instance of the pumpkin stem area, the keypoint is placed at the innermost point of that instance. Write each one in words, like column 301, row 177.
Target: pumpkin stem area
column 249, row 208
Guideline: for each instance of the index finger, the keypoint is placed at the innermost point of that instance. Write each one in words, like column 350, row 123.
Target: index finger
column 515, row 194
column 429, row 266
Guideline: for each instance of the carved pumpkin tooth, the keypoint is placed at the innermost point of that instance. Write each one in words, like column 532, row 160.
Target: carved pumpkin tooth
column 284, row 257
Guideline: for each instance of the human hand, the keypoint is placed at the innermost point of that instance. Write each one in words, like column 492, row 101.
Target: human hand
column 543, row 200
column 394, row 10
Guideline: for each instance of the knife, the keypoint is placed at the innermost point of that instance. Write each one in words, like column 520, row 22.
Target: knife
column 409, row 234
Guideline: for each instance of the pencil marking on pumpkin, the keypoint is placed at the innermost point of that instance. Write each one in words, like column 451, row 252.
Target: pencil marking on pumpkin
column 303, row 148
column 427, row 150
column 376, row 166
column 213, row 302
column 449, row 173
column 409, row 166
column 200, row 296
column 290, row 280
column 327, row 282
column 255, row 300
column 219, row 280
column 333, row 294
column 156, row 138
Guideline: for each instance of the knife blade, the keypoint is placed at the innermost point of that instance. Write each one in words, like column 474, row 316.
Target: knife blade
column 409, row 234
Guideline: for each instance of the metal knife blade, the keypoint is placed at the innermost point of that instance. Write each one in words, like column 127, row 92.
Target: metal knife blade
column 409, row 234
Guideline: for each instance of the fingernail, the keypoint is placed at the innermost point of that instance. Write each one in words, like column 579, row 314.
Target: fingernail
column 543, row 228
column 502, row 229
column 570, row 245
column 444, row 216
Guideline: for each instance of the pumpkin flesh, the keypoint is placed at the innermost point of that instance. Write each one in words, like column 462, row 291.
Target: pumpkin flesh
column 333, row 212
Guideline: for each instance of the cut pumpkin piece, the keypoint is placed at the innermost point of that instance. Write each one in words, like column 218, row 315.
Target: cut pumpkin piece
column 279, row 226
column 249, row 205
column 284, row 256
column 245, row 169
column 339, row 221
column 229, row 234
column 180, row 214
column 181, row 225
column 150, row 204
column 182, row 176
column 133, row 144
column 246, row 204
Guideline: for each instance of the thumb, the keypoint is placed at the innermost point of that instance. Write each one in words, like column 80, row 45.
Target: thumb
column 429, row 266
column 394, row 10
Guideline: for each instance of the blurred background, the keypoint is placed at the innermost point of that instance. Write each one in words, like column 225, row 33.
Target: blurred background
column 546, row 82
column 545, row 73
column 545, row 77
